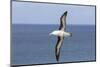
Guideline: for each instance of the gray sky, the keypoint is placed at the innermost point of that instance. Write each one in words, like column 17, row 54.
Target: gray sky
column 40, row 13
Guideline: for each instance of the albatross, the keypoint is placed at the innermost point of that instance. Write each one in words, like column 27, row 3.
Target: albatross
column 60, row 34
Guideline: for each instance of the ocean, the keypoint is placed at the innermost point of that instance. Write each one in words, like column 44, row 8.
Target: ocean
column 31, row 44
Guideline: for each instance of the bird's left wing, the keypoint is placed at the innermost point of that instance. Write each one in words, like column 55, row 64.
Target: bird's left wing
column 58, row 46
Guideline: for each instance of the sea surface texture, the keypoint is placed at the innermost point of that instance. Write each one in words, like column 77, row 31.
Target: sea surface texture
column 31, row 44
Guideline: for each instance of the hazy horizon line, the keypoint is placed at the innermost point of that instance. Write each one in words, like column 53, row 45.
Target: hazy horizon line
column 51, row 24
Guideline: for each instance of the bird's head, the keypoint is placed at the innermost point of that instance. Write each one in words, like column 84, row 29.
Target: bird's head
column 52, row 33
column 55, row 33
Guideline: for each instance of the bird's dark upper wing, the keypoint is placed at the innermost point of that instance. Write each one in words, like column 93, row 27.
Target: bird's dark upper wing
column 63, row 22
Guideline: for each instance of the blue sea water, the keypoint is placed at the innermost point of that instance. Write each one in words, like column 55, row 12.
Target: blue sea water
column 31, row 44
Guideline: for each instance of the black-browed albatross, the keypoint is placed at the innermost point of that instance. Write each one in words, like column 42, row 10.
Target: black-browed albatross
column 60, row 34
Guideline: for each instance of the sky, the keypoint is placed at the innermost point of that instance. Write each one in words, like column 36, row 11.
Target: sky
column 42, row 13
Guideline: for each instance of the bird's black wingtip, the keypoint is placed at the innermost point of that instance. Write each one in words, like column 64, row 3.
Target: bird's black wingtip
column 65, row 12
column 57, row 58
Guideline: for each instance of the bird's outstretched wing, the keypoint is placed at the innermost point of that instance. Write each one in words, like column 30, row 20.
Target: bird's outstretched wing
column 63, row 21
column 58, row 47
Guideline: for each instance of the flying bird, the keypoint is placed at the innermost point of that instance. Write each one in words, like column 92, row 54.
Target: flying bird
column 60, row 34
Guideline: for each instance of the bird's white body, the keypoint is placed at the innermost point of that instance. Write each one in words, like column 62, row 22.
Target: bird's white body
column 60, row 33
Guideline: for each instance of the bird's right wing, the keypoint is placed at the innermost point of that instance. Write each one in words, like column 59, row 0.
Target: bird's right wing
column 63, row 22
column 58, row 46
